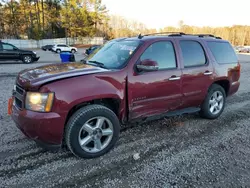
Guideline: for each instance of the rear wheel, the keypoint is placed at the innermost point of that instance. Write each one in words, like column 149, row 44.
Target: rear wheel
column 214, row 102
column 27, row 59
column 92, row 131
column 73, row 51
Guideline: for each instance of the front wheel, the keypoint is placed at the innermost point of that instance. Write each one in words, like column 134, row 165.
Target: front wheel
column 73, row 51
column 27, row 59
column 92, row 131
column 214, row 102
column 58, row 51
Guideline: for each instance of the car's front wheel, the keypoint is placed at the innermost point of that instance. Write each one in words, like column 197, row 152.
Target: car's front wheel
column 92, row 131
column 73, row 51
column 27, row 59
column 214, row 102
column 58, row 51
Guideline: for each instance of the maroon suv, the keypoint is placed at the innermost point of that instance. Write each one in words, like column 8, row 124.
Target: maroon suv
column 126, row 80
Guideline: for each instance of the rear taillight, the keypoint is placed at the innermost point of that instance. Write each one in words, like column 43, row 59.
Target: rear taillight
column 236, row 72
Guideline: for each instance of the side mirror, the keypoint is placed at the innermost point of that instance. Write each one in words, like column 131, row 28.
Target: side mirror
column 147, row 65
column 15, row 48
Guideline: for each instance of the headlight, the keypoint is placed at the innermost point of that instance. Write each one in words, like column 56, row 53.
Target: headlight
column 34, row 52
column 40, row 102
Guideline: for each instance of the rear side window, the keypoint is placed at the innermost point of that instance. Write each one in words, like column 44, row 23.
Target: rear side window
column 223, row 52
column 193, row 53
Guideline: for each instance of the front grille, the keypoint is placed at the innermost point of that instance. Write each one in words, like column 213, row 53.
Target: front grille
column 19, row 94
column 18, row 103
column 19, row 90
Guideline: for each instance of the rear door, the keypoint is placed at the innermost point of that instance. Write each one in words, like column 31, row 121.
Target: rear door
column 197, row 71
column 65, row 48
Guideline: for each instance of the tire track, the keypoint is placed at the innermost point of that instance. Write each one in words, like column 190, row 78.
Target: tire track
column 124, row 166
column 197, row 135
column 8, row 173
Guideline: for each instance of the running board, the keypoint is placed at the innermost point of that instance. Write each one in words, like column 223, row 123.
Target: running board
column 190, row 110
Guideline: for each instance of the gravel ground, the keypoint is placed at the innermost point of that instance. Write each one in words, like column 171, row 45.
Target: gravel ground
column 180, row 152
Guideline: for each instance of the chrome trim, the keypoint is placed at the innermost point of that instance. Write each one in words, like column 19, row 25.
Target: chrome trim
column 174, row 78
column 208, row 73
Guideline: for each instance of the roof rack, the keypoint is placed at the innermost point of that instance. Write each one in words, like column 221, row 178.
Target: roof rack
column 140, row 36
column 206, row 35
column 169, row 33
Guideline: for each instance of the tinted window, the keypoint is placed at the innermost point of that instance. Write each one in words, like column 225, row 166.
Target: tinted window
column 193, row 53
column 223, row 52
column 61, row 45
column 7, row 47
column 161, row 52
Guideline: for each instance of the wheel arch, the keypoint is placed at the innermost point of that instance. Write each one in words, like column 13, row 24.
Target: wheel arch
column 111, row 103
column 224, row 83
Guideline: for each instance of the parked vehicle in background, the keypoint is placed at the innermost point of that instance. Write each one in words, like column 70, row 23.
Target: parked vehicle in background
column 244, row 50
column 120, row 84
column 9, row 52
column 47, row 47
column 58, row 48
column 91, row 49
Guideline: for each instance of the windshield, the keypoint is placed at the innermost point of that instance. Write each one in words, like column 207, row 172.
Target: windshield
column 113, row 54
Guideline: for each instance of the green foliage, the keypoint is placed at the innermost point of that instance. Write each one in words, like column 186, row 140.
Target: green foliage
column 37, row 19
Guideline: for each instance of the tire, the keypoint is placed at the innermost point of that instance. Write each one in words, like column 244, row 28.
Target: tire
column 83, row 125
column 73, row 51
column 58, row 51
column 27, row 59
column 214, row 99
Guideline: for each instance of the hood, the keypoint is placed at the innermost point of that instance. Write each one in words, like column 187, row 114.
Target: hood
column 38, row 76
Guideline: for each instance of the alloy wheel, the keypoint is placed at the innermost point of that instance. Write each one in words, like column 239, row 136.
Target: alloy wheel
column 216, row 102
column 96, row 134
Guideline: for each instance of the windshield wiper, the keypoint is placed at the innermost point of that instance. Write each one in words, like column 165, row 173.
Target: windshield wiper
column 98, row 63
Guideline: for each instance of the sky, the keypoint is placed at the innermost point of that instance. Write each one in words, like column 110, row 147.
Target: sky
column 161, row 13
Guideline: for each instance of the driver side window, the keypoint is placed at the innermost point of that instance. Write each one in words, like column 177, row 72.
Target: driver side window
column 161, row 52
column 7, row 47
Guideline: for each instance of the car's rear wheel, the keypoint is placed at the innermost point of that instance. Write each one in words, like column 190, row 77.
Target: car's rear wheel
column 27, row 59
column 73, row 51
column 58, row 51
column 214, row 102
column 92, row 131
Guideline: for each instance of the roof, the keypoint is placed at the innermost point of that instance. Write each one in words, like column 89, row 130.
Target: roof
column 170, row 34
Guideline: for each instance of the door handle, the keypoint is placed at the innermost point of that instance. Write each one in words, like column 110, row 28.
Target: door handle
column 174, row 78
column 208, row 73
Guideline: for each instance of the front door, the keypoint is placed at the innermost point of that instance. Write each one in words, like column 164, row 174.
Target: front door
column 197, row 72
column 156, row 92
column 9, row 52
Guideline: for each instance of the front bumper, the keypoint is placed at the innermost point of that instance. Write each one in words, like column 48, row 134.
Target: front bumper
column 45, row 128
column 36, row 58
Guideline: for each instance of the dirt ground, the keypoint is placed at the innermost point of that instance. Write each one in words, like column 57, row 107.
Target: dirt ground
column 180, row 152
